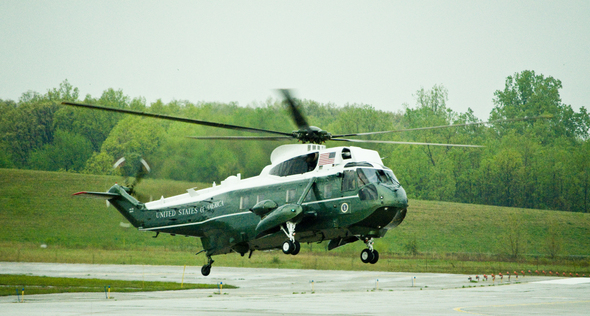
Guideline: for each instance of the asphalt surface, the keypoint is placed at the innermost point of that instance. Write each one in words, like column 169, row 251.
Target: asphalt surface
column 292, row 292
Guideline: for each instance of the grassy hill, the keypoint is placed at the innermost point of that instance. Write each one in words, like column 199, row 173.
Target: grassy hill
column 37, row 207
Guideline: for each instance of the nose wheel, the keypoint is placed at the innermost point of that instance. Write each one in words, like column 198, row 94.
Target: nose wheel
column 369, row 255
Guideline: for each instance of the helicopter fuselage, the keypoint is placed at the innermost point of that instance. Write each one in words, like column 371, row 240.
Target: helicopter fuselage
column 340, row 194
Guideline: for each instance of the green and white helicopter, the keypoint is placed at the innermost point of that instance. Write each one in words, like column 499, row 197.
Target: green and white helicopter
column 309, row 193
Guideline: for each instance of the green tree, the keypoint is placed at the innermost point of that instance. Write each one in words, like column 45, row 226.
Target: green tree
column 431, row 110
column 6, row 108
column 515, row 238
column 92, row 124
column 65, row 92
column 29, row 126
column 553, row 241
column 132, row 135
column 582, row 169
column 439, row 172
column 529, row 94
column 100, row 163
column 68, row 152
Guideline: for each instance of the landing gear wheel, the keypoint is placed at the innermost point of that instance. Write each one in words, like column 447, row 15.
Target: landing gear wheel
column 375, row 257
column 206, row 269
column 288, row 247
column 297, row 248
column 367, row 256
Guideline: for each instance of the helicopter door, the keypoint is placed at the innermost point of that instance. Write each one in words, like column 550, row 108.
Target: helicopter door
column 349, row 187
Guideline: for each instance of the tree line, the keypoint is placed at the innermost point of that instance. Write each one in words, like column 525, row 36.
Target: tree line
column 533, row 164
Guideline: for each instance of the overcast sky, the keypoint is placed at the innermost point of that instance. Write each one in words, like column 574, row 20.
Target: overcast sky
column 371, row 52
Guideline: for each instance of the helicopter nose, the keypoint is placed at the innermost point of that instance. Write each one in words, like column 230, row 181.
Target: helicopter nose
column 400, row 197
column 394, row 196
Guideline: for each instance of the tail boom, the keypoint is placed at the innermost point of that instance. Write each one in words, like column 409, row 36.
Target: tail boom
column 118, row 197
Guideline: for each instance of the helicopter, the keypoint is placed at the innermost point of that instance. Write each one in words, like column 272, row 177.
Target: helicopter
column 309, row 193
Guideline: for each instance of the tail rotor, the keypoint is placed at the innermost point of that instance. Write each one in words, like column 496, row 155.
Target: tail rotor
column 134, row 170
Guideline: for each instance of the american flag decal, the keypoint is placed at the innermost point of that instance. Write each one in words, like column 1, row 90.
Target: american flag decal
column 327, row 158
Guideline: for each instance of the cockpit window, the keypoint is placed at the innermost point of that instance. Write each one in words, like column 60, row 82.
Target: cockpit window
column 390, row 174
column 297, row 165
column 349, row 180
column 366, row 176
column 358, row 164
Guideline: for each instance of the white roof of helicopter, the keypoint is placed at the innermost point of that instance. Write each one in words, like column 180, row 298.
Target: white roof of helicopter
column 329, row 165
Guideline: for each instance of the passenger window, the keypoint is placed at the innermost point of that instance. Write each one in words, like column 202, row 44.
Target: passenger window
column 244, row 202
column 259, row 197
column 328, row 191
column 290, row 195
column 310, row 196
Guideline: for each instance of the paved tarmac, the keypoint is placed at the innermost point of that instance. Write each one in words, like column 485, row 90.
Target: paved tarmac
column 289, row 292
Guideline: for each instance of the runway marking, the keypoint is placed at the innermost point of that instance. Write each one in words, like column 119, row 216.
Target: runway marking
column 460, row 309
column 568, row 281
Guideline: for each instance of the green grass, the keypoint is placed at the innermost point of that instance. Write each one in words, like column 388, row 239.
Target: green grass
column 305, row 260
column 46, row 285
column 36, row 208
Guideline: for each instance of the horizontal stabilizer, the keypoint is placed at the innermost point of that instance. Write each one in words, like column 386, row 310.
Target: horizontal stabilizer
column 97, row 195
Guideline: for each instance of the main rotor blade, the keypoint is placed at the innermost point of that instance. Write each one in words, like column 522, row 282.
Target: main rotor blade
column 295, row 113
column 242, row 137
column 401, row 143
column 176, row 118
column 446, row 126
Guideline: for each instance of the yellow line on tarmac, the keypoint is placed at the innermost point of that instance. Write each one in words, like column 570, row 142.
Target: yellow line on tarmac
column 460, row 309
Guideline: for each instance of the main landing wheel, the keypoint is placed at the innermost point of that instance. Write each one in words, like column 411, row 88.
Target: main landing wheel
column 291, row 247
column 367, row 256
column 206, row 269
column 375, row 257
column 288, row 247
column 297, row 248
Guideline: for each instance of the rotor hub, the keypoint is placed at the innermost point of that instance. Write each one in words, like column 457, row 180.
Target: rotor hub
column 312, row 134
